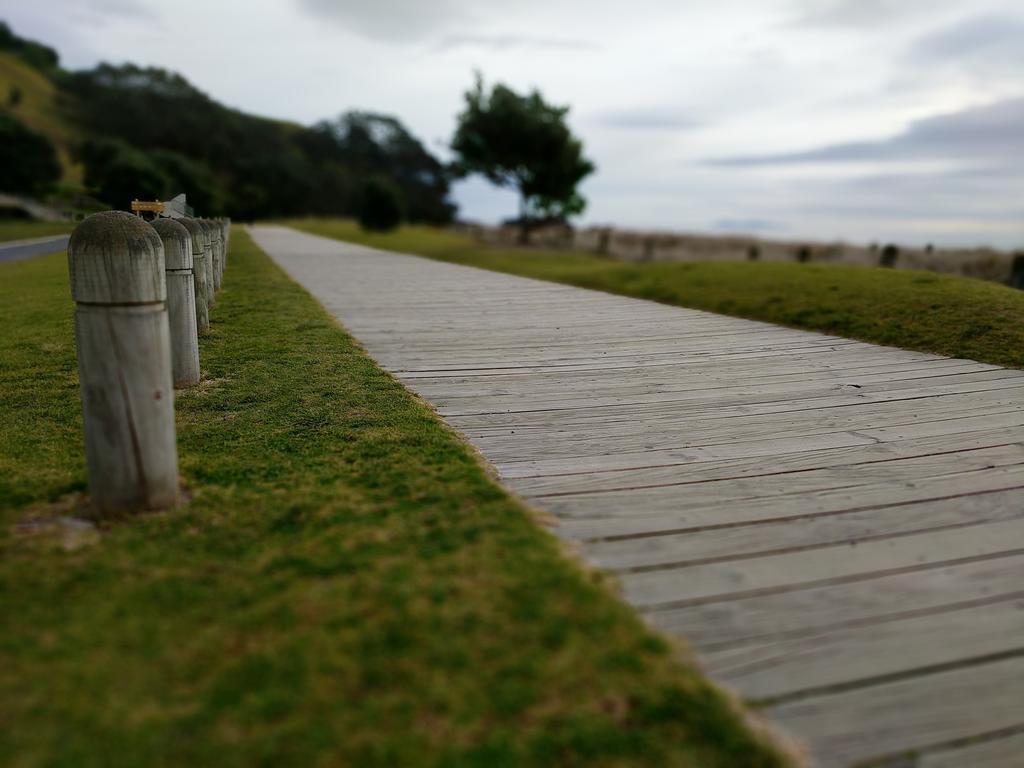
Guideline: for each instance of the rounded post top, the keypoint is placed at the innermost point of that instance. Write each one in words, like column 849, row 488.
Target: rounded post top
column 114, row 257
column 200, row 241
column 177, row 243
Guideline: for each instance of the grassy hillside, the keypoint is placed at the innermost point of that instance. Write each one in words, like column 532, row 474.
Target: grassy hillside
column 945, row 314
column 40, row 109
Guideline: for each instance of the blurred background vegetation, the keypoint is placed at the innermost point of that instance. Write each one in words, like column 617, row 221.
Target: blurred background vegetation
column 101, row 137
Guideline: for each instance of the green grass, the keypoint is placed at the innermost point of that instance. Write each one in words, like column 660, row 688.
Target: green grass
column 346, row 586
column 22, row 230
column 944, row 314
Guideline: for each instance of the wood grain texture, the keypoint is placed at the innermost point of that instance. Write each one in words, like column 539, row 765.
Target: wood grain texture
column 834, row 526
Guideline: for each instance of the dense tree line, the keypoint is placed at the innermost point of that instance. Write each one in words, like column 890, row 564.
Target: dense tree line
column 151, row 133
column 245, row 166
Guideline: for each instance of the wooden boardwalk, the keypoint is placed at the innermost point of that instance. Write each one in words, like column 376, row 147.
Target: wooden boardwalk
column 837, row 528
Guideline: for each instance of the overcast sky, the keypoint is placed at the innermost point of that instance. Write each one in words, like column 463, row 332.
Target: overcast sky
column 857, row 119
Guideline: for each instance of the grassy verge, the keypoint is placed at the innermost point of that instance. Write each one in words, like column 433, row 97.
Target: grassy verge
column 23, row 230
column 944, row 314
column 346, row 586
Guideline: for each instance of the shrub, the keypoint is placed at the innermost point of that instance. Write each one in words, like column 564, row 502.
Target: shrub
column 28, row 159
column 380, row 206
column 889, row 255
column 120, row 173
column 803, row 254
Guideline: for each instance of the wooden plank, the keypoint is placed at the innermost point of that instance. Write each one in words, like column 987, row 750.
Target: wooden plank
column 554, row 443
column 783, row 615
column 844, row 656
column 997, row 752
column 705, row 466
column 880, row 387
column 977, row 419
column 661, row 510
column 524, row 404
column 793, row 570
column 886, row 720
column 791, row 534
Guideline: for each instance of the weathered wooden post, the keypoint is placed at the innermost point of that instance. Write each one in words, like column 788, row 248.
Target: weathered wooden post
column 199, row 270
column 214, row 231
column 211, row 268
column 221, row 251
column 116, row 265
column 222, row 244
column 225, row 234
column 181, row 301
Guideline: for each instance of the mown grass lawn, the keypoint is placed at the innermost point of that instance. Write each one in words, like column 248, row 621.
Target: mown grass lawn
column 346, row 586
column 23, row 230
column 944, row 314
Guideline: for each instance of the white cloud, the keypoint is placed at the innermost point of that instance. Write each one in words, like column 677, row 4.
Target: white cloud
column 654, row 91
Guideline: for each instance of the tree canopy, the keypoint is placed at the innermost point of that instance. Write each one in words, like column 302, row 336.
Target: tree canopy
column 522, row 142
column 28, row 159
column 246, row 166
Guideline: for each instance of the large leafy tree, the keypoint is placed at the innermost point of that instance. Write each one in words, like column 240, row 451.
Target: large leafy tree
column 524, row 143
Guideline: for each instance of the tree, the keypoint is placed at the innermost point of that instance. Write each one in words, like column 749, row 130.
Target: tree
column 34, row 54
column 370, row 144
column 119, row 173
column 380, row 206
column 524, row 143
column 28, row 159
column 194, row 179
column 889, row 255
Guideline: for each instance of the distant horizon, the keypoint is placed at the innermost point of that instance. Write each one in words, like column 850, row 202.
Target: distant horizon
column 871, row 121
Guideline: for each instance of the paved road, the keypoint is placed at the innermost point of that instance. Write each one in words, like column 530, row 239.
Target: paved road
column 37, row 246
column 836, row 527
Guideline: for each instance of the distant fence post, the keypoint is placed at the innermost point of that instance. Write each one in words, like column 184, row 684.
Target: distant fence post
column 181, row 301
column 199, row 270
column 1017, row 271
column 218, row 257
column 211, row 283
column 116, row 266
column 225, row 235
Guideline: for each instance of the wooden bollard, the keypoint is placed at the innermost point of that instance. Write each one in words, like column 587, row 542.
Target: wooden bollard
column 181, row 301
column 199, row 270
column 116, row 265
column 225, row 232
column 218, row 249
column 211, row 285
column 211, row 228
